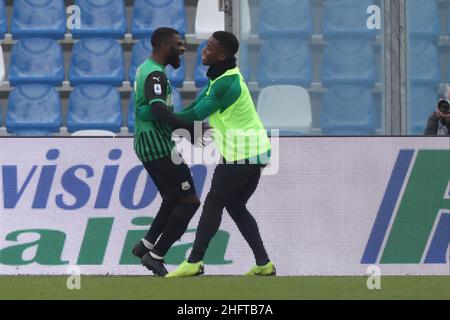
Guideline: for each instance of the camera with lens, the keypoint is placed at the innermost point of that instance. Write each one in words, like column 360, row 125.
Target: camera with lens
column 444, row 106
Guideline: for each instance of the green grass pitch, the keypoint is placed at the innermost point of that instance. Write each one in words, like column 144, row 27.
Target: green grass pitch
column 224, row 288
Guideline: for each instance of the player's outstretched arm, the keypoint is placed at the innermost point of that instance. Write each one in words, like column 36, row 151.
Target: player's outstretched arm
column 222, row 95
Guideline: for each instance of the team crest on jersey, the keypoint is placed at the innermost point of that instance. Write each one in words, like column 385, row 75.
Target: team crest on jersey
column 185, row 186
column 158, row 89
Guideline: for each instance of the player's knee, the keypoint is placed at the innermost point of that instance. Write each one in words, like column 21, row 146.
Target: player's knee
column 185, row 210
column 191, row 199
column 216, row 198
column 236, row 208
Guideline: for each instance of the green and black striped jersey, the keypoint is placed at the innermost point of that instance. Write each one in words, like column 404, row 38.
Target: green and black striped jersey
column 152, row 138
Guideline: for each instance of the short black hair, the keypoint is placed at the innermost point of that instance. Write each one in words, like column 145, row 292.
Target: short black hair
column 228, row 41
column 162, row 35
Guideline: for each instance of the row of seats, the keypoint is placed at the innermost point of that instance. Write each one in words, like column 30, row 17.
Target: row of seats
column 93, row 60
column 341, row 18
column 100, row 60
column 284, row 61
column 36, row 109
column 289, row 61
column 346, row 109
column 294, row 18
column 106, row 18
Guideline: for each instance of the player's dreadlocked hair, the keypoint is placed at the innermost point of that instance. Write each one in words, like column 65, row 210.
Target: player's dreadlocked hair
column 228, row 41
column 161, row 36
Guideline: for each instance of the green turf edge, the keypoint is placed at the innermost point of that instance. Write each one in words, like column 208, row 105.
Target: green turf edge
column 224, row 288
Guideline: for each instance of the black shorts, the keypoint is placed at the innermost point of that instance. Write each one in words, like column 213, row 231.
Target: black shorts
column 173, row 181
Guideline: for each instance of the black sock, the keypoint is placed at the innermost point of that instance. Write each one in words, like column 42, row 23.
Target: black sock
column 176, row 226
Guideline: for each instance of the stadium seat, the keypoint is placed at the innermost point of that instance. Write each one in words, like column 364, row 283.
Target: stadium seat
column 285, row 107
column 94, row 107
column 32, row 133
column 177, row 100
column 200, row 70
column 346, row 19
column 245, row 22
column 208, row 19
column 349, row 62
column 3, row 20
column 423, row 19
column 285, row 61
column 422, row 101
column 244, row 61
column 36, row 60
column 106, row 18
column 2, row 66
column 93, row 133
column 97, row 60
column 37, row 18
column 177, row 103
column 141, row 51
column 281, row 18
column 424, row 66
column 130, row 118
column 148, row 15
column 348, row 110
column 33, row 109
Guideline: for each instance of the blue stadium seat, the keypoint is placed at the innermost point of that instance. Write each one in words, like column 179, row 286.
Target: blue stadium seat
column 200, row 70
column 177, row 100
column 36, row 60
column 94, row 107
column 423, row 18
column 285, row 61
column 97, row 60
column 347, row 18
column 349, row 62
column 244, row 61
column 424, row 66
column 141, row 51
column 281, row 18
column 33, row 109
column 37, row 18
column 148, row 15
column 32, row 133
column 286, row 108
column 3, row 20
column 130, row 118
column 177, row 103
column 348, row 110
column 422, row 101
column 105, row 18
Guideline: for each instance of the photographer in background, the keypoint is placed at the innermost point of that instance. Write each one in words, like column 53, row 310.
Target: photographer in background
column 439, row 121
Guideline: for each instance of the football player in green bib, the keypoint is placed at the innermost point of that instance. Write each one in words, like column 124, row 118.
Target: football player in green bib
column 242, row 141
